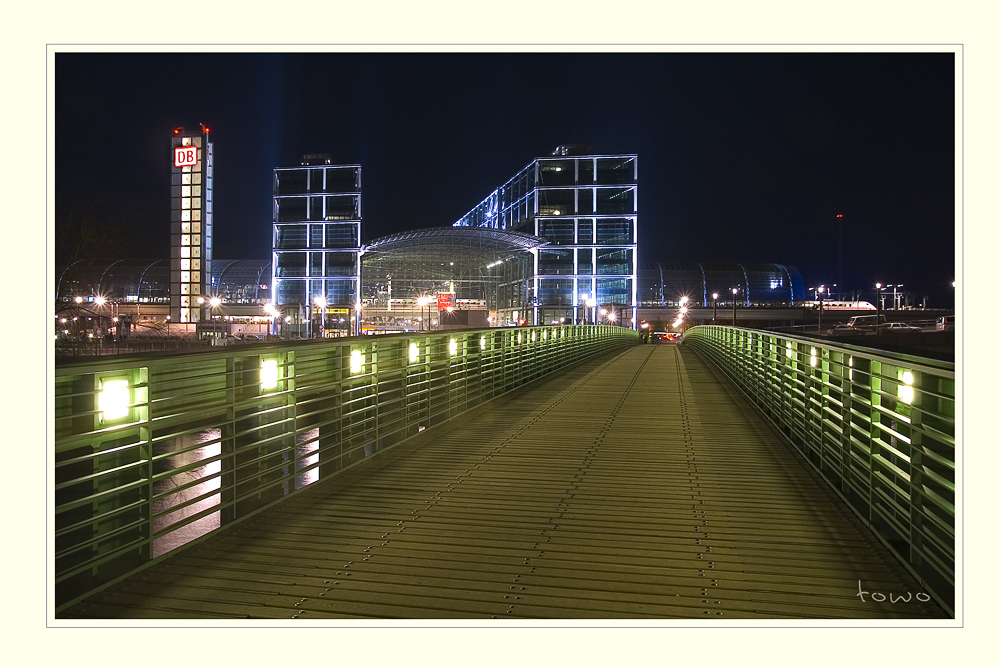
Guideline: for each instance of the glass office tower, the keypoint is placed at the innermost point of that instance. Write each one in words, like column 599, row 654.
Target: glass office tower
column 586, row 206
column 316, row 244
column 190, row 224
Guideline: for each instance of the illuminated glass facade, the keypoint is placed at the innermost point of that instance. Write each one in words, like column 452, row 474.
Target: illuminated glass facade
column 316, row 243
column 190, row 223
column 586, row 207
column 410, row 279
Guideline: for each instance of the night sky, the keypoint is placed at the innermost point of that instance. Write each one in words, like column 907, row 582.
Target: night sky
column 742, row 157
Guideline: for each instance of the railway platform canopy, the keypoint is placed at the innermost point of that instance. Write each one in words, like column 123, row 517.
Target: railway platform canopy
column 411, row 277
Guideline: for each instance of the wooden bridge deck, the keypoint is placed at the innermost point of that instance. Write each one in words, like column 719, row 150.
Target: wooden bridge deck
column 632, row 486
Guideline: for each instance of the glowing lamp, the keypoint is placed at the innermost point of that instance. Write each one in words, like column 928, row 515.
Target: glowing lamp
column 269, row 374
column 113, row 400
column 905, row 390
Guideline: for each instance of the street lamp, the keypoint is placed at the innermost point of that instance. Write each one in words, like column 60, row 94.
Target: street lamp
column 320, row 303
column 592, row 304
column 715, row 306
column 273, row 313
column 819, row 293
column 878, row 307
column 422, row 303
column 357, row 309
column 736, row 291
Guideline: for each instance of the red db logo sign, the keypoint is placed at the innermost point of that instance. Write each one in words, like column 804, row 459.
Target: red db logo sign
column 185, row 156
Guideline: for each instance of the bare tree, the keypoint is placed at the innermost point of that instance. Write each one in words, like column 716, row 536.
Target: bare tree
column 84, row 232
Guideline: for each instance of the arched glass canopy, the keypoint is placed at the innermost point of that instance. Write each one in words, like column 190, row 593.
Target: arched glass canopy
column 473, row 269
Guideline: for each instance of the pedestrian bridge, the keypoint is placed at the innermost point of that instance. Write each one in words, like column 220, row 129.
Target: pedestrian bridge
column 555, row 472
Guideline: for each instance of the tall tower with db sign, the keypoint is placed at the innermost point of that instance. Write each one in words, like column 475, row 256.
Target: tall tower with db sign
column 190, row 224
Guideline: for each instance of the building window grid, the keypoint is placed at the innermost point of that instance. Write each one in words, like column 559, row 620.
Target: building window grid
column 325, row 278
column 522, row 192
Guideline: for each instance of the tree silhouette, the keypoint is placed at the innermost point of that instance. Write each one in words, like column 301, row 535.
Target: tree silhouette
column 84, row 232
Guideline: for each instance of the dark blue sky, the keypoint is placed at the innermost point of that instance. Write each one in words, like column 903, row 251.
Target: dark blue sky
column 742, row 157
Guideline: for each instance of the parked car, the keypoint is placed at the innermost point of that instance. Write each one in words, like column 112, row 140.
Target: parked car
column 946, row 323
column 862, row 321
column 897, row 327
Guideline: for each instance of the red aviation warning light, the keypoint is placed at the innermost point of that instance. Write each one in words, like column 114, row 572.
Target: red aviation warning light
column 840, row 215
column 179, row 130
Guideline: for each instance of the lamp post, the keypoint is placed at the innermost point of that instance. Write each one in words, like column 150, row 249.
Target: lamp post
column 320, row 303
column 819, row 293
column 99, row 301
column 271, row 312
column 878, row 307
column 736, row 291
column 715, row 306
column 895, row 299
column 357, row 309
column 592, row 304
column 422, row 302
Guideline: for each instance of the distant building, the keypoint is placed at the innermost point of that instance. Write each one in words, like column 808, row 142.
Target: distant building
column 555, row 243
column 190, row 224
column 316, row 243
column 586, row 207
column 663, row 284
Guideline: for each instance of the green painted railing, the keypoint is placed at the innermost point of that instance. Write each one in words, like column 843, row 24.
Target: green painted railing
column 153, row 452
column 878, row 426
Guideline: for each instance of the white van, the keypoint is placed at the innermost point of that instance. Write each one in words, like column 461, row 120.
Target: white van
column 946, row 323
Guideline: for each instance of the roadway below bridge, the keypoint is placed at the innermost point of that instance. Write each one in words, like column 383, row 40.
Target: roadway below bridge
column 636, row 485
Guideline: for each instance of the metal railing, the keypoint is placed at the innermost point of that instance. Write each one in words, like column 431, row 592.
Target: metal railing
column 154, row 452
column 878, row 426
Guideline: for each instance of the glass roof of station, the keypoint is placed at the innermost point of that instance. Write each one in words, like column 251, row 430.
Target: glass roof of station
column 445, row 253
